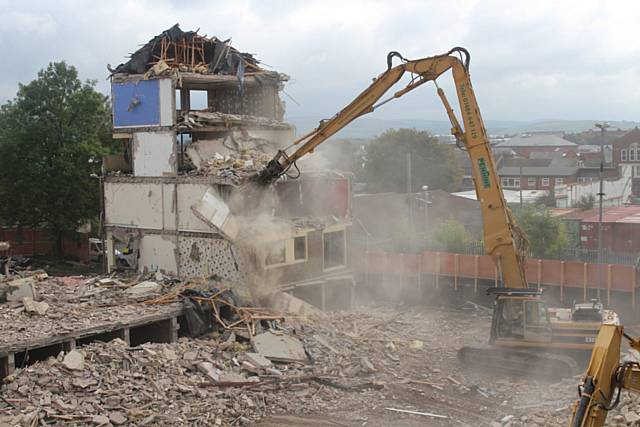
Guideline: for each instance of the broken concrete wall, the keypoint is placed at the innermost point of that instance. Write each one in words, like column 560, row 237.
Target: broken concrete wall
column 158, row 253
column 257, row 100
column 207, row 257
column 150, row 204
column 140, row 204
column 188, row 196
column 154, row 154
column 315, row 195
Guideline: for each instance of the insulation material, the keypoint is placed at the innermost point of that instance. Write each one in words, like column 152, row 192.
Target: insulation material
column 158, row 253
column 207, row 257
column 214, row 212
column 154, row 154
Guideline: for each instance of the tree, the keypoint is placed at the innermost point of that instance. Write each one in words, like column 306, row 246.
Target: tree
column 450, row 236
column 547, row 199
column 546, row 234
column 52, row 137
column 432, row 163
column 585, row 202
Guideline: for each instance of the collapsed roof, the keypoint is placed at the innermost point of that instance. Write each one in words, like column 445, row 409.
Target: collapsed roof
column 188, row 51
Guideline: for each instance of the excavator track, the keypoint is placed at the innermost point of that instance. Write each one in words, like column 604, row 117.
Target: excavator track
column 518, row 362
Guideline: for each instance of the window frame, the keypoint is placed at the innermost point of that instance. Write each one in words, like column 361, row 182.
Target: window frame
column 559, row 180
column 289, row 251
column 623, row 155
column 532, row 181
column 510, row 182
column 544, row 182
column 345, row 260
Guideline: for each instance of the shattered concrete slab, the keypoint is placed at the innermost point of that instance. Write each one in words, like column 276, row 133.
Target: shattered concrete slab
column 145, row 288
column 279, row 347
column 214, row 211
column 287, row 303
column 18, row 289
column 37, row 307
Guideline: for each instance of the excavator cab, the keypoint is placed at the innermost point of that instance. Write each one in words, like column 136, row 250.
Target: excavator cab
column 522, row 317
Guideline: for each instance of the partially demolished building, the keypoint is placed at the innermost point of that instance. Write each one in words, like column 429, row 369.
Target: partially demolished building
column 196, row 119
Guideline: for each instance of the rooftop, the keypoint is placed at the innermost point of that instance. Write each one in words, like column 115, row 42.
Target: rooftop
column 618, row 214
column 556, row 166
column 187, row 51
column 536, row 140
column 511, row 196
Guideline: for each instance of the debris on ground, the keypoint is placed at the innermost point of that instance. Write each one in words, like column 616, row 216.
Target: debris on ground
column 236, row 364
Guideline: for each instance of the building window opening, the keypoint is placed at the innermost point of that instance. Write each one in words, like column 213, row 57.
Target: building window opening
column 277, row 253
column 334, row 249
column 300, row 248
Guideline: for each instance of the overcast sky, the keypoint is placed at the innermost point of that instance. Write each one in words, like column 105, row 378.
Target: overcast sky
column 529, row 59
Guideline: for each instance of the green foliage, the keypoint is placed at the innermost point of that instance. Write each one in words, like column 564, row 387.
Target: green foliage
column 548, row 199
column 547, row 234
column 432, row 163
column 450, row 236
column 585, row 202
column 52, row 137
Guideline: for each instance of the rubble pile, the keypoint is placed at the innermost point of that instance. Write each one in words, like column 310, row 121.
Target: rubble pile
column 202, row 118
column 153, row 384
column 380, row 367
column 376, row 367
column 557, row 402
column 39, row 306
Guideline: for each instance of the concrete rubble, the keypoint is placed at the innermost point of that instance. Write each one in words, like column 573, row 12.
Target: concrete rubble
column 380, row 366
column 355, row 367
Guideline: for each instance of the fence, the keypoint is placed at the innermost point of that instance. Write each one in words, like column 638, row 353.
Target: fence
column 36, row 242
column 421, row 243
column 555, row 273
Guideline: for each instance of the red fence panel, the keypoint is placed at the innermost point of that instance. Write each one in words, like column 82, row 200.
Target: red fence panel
column 552, row 272
column 622, row 277
column 573, row 274
column 466, row 265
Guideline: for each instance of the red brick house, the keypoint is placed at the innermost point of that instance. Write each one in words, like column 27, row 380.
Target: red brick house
column 526, row 144
column 626, row 153
column 541, row 172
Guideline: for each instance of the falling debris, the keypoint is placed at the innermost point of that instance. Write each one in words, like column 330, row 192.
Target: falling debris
column 213, row 211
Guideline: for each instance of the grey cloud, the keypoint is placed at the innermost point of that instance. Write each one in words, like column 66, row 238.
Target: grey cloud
column 546, row 60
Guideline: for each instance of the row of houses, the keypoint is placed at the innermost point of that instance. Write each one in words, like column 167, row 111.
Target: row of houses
column 545, row 161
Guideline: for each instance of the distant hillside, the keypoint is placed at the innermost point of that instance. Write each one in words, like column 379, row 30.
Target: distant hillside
column 369, row 128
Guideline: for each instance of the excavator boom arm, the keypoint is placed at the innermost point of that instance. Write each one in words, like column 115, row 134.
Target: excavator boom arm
column 501, row 235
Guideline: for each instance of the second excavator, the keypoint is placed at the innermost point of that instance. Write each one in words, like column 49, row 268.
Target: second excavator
column 526, row 335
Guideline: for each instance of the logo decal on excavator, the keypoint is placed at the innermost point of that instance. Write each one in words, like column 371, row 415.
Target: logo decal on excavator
column 484, row 173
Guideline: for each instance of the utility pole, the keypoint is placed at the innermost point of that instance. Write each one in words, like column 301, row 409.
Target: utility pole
column 520, row 186
column 602, row 126
column 409, row 202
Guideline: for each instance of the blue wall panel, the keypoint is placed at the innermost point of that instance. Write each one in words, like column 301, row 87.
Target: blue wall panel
column 136, row 103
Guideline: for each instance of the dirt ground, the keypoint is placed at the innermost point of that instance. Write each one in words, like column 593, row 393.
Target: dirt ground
column 430, row 379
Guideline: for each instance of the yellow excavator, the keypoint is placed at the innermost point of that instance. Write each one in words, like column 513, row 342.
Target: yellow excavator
column 521, row 322
column 605, row 378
